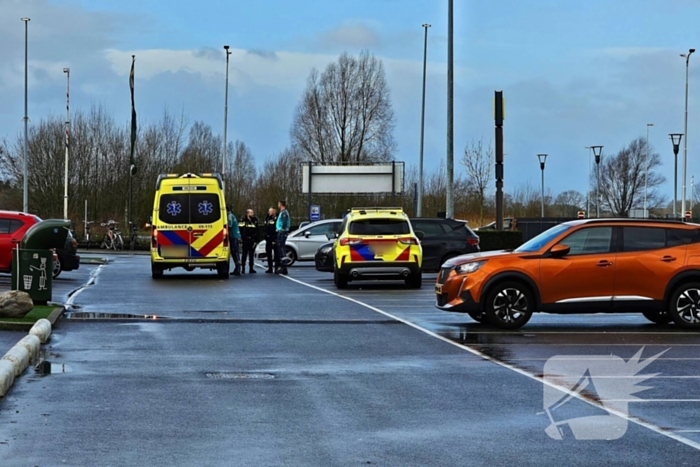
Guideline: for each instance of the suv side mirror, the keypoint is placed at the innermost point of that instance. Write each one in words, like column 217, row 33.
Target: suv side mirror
column 559, row 251
column 420, row 234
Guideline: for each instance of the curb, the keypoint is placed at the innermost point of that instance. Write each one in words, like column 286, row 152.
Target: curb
column 18, row 358
column 53, row 317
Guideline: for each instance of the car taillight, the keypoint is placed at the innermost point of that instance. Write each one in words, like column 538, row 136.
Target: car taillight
column 351, row 241
column 74, row 243
column 154, row 239
column 225, row 236
column 408, row 241
column 473, row 241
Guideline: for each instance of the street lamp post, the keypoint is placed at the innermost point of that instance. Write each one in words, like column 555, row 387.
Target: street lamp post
column 646, row 172
column 597, row 152
column 588, row 186
column 25, row 188
column 449, row 196
column 65, row 174
column 685, row 127
column 223, row 151
column 419, row 207
column 542, row 158
column 676, row 140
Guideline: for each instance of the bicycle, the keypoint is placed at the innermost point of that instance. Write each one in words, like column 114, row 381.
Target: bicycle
column 132, row 236
column 113, row 238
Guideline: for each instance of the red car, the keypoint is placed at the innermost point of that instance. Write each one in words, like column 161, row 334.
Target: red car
column 13, row 227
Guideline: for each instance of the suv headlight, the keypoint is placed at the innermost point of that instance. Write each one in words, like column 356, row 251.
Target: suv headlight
column 468, row 268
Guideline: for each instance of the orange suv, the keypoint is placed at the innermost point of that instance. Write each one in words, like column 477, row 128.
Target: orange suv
column 586, row 266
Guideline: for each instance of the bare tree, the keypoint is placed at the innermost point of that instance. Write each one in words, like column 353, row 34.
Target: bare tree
column 478, row 163
column 345, row 114
column 568, row 203
column 622, row 179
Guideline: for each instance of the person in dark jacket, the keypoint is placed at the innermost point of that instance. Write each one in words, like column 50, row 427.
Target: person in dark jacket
column 270, row 228
column 249, row 233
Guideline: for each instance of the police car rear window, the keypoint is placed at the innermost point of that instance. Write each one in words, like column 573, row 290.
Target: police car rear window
column 200, row 208
column 379, row 227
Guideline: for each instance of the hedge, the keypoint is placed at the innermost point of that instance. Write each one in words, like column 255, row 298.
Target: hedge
column 490, row 240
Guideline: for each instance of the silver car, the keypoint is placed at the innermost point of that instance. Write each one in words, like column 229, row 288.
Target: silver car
column 303, row 243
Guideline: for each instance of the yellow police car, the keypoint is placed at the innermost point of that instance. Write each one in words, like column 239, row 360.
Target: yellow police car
column 377, row 244
column 189, row 226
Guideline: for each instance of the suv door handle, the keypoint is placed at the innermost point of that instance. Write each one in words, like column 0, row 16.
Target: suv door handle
column 668, row 259
column 604, row 263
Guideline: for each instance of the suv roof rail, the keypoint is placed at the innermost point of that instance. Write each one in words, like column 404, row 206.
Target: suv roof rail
column 617, row 219
column 378, row 208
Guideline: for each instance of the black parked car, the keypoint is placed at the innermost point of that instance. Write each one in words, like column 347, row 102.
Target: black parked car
column 443, row 239
column 324, row 257
column 68, row 260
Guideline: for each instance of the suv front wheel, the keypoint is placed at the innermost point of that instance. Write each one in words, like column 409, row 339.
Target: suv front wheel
column 684, row 306
column 509, row 305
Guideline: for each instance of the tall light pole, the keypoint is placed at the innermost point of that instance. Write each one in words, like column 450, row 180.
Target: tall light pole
column 685, row 127
column 542, row 158
column 65, row 174
column 597, row 152
column 419, row 207
column 676, row 141
column 450, row 202
column 646, row 172
column 25, row 188
column 588, row 186
column 223, row 151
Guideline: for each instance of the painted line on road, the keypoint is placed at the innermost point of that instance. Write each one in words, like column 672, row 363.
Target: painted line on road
column 74, row 295
column 650, row 426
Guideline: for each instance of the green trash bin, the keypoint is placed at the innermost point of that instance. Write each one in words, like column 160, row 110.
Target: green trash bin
column 32, row 262
column 33, row 273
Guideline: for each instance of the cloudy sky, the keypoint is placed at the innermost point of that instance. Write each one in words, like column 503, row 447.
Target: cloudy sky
column 574, row 73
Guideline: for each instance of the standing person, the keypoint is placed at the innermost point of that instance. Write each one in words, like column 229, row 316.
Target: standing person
column 271, row 240
column 249, row 234
column 282, row 228
column 234, row 238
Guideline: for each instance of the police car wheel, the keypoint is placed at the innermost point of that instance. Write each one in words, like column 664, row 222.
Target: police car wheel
column 340, row 280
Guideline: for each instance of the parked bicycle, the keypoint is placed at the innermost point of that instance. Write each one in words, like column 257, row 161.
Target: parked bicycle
column 132, row 236
column 113, row 238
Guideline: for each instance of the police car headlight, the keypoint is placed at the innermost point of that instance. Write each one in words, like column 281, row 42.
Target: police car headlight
column 468, row 268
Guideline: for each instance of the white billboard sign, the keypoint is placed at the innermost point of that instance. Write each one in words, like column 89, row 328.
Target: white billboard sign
column 337, row 179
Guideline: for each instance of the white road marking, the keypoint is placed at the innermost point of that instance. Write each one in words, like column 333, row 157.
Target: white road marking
column 635, row 420
column 651, row 400
column 93, row 277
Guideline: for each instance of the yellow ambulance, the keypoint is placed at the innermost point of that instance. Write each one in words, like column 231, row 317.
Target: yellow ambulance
column 189, row 225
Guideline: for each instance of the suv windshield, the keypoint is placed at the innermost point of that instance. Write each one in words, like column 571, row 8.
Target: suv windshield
column 379, row 227
column 536, row 243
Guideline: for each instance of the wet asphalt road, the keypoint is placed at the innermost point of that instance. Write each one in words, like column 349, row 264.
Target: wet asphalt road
column 263, row 370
